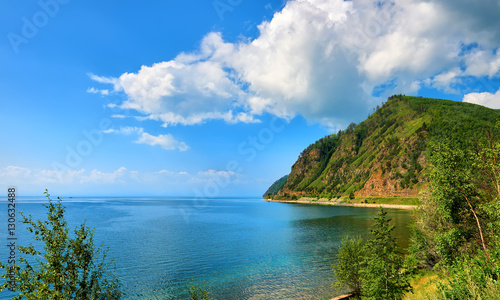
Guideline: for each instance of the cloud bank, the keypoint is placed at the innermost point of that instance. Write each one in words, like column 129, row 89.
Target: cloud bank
column 35, row 181
column 327, row 60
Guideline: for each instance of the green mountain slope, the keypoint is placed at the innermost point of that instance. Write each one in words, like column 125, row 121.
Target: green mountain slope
column 276, row 186
column 387, row 154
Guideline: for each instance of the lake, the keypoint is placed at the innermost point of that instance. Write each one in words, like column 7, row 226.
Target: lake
column 238, row 248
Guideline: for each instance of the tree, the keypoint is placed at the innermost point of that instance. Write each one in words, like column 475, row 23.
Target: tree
column 350, row 128
column 460, row 213
column 372, row 269
column 455, row 187
column 350, row 261
column 68, row 267
column 423, row 252
column 382, row 274
column 475, row 273
column 487, row 161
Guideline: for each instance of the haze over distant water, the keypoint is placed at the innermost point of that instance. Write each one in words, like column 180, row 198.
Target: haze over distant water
column 240, row 248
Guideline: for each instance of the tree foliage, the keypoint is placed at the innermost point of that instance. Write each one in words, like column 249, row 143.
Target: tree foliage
column 383, row 275
column 68, row 267
column 458, row 225
column 197, row 292
column 350, row 262
column 275, row 187
column 460, row 213
column 373, row 269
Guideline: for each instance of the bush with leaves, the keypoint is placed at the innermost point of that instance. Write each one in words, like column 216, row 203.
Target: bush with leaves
column 474, row 277
column 350, row 261
column 197, row 292
column 67, row 267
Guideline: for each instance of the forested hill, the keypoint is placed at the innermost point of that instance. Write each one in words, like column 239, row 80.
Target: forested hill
column 387, row 154
column 275, row 187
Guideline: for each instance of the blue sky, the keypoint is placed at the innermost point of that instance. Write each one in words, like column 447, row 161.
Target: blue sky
column 216, row 98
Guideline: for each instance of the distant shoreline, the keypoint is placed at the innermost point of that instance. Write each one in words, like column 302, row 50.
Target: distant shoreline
column 338, row 203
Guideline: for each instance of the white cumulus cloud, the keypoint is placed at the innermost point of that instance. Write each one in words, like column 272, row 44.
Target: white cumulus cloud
column 483, row 63
column 485, row 99
column 327, row 60
column 166, row 141
column 93, row 90
column 97, row 176
column 127, row 130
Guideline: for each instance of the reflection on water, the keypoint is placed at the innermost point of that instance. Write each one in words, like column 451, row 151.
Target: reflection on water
column 239, row 248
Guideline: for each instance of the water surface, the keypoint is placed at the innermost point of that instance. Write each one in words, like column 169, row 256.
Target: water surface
column 238, row 248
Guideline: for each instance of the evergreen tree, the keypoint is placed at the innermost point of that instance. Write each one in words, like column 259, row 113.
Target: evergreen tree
column 382, row 275
column 372, row 269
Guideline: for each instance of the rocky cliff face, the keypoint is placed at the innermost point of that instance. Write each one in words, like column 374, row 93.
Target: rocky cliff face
column 387, row 154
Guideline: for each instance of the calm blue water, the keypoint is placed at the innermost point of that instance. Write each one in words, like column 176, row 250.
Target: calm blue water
column 239, row 248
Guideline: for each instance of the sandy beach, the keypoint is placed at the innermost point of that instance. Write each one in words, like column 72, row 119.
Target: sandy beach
column 323, row 201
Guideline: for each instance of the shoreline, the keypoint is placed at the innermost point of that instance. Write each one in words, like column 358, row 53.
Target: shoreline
column 339, row 203
column 342, row 297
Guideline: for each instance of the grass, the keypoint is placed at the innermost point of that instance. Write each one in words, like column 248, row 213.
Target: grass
column 425, row 286
column 359, row 200
column 384, row 200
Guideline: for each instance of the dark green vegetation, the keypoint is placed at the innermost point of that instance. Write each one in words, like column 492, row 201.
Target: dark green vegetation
column 197, row 292
column 350, row 263
column 456, row 233
column 67, row 268
column 388, row 153
column 372, row 269
column 275, row 187
column 383, row 200
column 457, row 228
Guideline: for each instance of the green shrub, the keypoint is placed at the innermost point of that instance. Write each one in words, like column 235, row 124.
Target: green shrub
column 350, row 261
column 67, row 267
column 473, row 278
column 197, row 292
